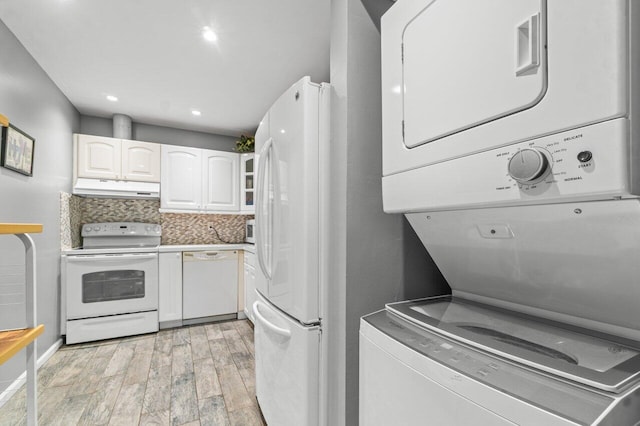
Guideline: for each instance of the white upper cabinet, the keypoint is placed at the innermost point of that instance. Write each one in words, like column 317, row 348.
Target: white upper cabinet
column 247, row 175
column 199, row 179
column 221, row 188
column 140, row 161
column 181, row 183
column 101, row 157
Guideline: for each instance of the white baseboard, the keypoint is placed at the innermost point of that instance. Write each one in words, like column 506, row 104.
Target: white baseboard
column 17, row 384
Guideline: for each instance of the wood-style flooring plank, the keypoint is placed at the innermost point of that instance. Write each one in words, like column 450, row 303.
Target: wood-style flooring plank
column 157, row 397
column 128, row 405
column 73, row 367
column 119, row 362
column 181, row 336
column 233, row 389
column 184, row 400
column 100, row 406
column 220, row 352
column 162, row 352
column 213, row 412
column 213, row 331
column 200, row 346
column 247, row 416
column 138, row 371
column 207, row 383
column 181, row 362
column 70, row 410
column 161, row 418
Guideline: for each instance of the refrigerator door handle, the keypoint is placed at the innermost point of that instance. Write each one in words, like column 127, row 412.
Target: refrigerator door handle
column 275, row 211
column 274, row 328
column 260, row 199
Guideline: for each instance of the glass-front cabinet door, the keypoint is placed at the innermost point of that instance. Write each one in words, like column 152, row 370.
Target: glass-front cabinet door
column 247, row 170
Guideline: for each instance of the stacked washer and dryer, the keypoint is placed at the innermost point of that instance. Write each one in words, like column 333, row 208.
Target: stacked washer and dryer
column 511, row 141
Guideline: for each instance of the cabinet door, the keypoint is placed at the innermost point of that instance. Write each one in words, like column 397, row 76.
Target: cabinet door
column 140, row 161
column 249, row 284
column 170, row 287
column 221, row 180
column 247, row 173
column 98, row 157
column 181, row 179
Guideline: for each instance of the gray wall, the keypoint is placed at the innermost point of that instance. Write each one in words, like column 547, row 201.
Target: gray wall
column 35, row 105
column 377, row 257
column 166, row 135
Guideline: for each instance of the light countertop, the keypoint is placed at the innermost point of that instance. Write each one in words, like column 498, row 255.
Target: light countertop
column 201, row 247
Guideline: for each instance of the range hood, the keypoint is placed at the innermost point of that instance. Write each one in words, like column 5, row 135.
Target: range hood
column 116, row 188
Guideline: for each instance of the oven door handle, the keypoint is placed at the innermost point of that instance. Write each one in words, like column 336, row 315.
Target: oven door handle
column 111, row 257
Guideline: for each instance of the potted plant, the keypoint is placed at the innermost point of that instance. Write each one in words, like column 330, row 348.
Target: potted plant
column 245, row 144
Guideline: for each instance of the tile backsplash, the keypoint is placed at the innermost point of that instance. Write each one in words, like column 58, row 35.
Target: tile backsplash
column 184, row 228
column 177, row 228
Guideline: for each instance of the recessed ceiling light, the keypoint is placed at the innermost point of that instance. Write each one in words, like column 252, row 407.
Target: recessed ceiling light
column 196, row 112
column 112, row 98
column 209, row 35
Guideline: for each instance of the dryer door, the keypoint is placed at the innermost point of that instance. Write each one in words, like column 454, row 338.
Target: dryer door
column 465, row 63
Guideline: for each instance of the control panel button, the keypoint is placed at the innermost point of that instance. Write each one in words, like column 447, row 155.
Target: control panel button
column 527, row 165
column 585, row 156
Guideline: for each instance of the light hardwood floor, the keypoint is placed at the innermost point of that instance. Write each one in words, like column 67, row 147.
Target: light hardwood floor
column 197, row 375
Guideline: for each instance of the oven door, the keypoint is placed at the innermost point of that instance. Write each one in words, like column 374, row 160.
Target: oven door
column 108, row 284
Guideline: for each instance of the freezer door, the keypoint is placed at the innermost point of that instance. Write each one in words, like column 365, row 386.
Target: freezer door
column 287, row 219
column 287, row 358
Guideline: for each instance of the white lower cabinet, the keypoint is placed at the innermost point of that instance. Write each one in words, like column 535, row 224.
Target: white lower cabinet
column 170, row 291
column 249, row 284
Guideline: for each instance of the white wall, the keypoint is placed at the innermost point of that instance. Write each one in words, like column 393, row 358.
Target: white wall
column 376, row 257
column 35, row 105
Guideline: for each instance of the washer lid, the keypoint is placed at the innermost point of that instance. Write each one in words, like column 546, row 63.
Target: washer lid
column 597, row 360
column 575, row 263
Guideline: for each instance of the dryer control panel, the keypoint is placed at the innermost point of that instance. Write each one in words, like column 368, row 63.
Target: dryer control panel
column 589, row 163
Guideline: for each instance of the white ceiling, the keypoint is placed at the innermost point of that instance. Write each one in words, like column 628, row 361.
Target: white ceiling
column 152, row 56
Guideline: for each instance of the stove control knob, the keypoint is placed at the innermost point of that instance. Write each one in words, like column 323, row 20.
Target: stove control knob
column 528, row 165
column 157, row 229
column 148, row 228
column 96, row 228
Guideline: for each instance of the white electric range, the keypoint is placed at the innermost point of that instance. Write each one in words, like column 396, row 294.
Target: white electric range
column 110, row 285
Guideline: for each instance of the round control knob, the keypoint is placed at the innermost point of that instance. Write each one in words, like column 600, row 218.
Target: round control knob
column 528, row 165
column 96, row 228
column 147, row 228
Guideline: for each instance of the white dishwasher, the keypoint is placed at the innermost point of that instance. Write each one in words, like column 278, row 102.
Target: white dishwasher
column 209, row 284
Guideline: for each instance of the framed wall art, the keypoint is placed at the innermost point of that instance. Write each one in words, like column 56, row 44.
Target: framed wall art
column 17, row 150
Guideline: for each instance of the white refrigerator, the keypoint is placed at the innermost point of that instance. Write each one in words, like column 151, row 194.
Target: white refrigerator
column 291, row 150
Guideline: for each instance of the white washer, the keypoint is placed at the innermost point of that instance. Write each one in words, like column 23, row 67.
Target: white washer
column 410, row 375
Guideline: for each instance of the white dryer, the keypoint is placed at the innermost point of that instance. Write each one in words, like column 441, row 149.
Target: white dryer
column 511, row 141
column 467, row 85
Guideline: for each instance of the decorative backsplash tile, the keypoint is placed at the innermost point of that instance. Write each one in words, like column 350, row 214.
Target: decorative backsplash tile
column 177, row 228
column 184, row 228
column 95, row 210
column 69, row 221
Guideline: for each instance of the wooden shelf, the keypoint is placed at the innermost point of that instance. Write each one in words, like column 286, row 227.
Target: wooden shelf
column 20, row 228
column 12, row 341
